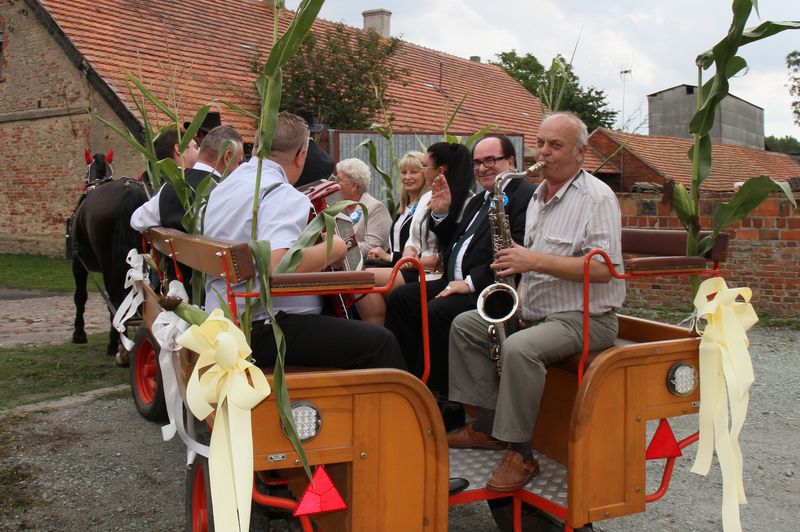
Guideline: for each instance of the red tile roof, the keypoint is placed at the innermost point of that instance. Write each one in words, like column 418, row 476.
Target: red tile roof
column 208, row 47
column 730, row 164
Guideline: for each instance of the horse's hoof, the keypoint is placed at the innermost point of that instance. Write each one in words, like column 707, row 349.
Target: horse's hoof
column 122, row 358
column 79, row 338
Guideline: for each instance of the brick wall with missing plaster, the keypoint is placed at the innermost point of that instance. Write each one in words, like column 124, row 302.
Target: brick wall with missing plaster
column 45, row 125
column 764, row 253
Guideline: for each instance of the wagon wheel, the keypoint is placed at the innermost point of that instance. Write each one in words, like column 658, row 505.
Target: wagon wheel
column 533, row 519
column 146, row 385
column 199, row 514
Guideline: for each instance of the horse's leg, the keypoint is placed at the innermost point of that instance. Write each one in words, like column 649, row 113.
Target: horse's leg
column 113, row 339
column 80, row 275
column 113, row 293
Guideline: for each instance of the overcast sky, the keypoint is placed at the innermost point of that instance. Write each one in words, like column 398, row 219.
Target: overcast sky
column 657, row 40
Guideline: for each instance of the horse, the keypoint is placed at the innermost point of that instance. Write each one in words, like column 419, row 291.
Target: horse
column 99, row 238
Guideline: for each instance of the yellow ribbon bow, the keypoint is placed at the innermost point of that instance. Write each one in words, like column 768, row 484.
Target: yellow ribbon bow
column 725, row 369
column 223, row 354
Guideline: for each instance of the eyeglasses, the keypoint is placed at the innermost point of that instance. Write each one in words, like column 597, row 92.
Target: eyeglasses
column 487, row 162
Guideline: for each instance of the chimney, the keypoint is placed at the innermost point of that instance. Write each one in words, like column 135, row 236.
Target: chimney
column 475, row 58
column 377, row 20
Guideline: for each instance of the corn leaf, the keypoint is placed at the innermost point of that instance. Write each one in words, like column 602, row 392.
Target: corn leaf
column 237, row 109
column 748, row 197
column 388, row 182
column 262, row 254
column 682, row 204
column 194, row 127
column 324, row 221
column 147, row 93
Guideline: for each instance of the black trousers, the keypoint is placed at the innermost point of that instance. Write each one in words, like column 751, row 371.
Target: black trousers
column 325, row 341
column 404, row 319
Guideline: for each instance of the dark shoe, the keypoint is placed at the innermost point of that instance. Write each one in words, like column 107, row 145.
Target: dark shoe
column 513, row 472
column 467, row 438
column 452, row 414
column 457, row 485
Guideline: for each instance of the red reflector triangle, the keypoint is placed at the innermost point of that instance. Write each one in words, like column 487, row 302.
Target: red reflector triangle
column 663, row 444
column 320, row 496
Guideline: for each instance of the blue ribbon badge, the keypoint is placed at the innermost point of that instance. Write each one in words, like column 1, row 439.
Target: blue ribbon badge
column 505, row 200
column 355, row 216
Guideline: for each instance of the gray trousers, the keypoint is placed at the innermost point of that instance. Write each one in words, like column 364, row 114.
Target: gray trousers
column 525, row 355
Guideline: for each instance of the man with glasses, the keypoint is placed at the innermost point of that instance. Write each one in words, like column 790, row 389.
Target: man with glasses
column 467, row 252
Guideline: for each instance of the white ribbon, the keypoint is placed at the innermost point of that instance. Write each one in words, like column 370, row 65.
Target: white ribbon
column 725, row 370
column 130, row 305
column 166, row 329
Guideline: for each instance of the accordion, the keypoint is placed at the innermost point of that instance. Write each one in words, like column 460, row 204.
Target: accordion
column 323, row 193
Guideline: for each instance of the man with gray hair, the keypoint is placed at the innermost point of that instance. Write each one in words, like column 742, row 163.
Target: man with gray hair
column 312, row 339
column 571, row 213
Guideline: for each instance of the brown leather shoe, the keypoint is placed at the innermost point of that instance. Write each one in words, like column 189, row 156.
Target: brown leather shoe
column 513, row 472
column 467, row 438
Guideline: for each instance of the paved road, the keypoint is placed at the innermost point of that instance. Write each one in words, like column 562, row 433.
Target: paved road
column 30, row 317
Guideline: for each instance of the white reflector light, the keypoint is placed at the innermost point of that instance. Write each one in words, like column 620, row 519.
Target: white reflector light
column 682, row 379
column 307, row 420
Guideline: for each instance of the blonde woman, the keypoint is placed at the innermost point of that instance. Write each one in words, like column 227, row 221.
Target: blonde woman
column 412, row 178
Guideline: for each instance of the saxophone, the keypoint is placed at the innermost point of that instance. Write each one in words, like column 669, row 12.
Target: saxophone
column 498, row 303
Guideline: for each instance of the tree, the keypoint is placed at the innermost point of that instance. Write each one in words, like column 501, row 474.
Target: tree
column 785, row 144
column 342, row 76
column 793, row 64
column 559, row 88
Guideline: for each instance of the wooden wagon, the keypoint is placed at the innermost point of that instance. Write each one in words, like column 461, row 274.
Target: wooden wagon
column 381, row 436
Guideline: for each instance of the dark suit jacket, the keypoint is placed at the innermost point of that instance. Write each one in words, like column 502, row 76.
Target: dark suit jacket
column 479, row 253
column 169, row 206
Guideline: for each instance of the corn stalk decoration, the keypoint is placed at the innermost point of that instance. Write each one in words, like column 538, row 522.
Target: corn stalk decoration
column 268, row 86
column 724, row 57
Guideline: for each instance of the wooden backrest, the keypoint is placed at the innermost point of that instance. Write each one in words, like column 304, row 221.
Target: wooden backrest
column 668, row 242
column 214, row 255
column 210, row 255
column 665, row 251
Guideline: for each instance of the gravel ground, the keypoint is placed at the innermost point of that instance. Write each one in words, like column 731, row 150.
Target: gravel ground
column 91, row 463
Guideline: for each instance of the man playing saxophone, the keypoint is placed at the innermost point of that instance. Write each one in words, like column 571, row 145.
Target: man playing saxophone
column 570, row 213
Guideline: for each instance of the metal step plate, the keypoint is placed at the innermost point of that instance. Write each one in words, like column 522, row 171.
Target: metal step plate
column 478, row 465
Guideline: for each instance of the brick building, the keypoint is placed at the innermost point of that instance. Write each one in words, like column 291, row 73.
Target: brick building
column 64, row 60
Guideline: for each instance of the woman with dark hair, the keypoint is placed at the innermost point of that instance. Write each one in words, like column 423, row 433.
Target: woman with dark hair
column 452, row 162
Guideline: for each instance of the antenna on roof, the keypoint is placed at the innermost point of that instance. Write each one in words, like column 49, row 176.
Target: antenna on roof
column 625, row 72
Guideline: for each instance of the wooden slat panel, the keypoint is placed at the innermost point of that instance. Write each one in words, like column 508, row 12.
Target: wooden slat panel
column 204, row 253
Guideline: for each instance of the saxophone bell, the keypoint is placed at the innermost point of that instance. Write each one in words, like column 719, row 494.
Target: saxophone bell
column 498, row 302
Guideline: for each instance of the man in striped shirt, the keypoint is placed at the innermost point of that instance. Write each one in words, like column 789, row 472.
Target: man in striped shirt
column 571, row 213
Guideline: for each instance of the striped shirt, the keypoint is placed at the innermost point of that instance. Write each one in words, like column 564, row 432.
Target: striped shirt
column 583, row 215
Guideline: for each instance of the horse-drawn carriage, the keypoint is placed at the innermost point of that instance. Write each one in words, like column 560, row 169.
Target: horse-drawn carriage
column 380, row 435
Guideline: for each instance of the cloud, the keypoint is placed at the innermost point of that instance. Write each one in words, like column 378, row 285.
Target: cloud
column 658, row 40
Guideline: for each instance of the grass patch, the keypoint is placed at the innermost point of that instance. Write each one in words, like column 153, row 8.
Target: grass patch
column 41, row 373
column 37, row 272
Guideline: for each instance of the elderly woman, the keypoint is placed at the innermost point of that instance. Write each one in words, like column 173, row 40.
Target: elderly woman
column 353, row 176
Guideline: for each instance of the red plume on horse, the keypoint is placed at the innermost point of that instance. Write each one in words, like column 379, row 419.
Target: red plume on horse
column 99, row 237
column 98, row 167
